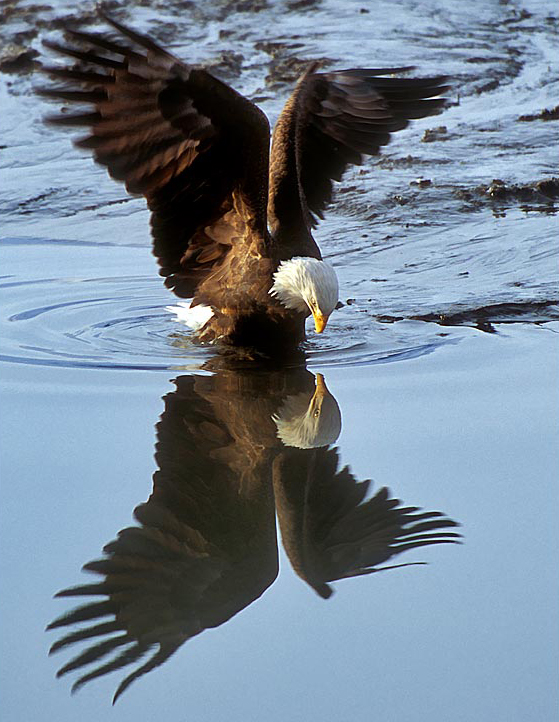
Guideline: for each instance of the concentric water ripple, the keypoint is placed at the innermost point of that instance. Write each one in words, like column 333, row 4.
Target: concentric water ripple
column 122, row 323
column 96, row 322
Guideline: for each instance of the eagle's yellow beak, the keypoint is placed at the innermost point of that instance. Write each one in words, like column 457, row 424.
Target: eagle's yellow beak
column 320, row 322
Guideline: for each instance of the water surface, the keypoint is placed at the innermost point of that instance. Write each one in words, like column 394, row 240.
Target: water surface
column 442, row 362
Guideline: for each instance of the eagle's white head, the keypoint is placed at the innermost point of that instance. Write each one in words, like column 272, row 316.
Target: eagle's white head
column 307, row 285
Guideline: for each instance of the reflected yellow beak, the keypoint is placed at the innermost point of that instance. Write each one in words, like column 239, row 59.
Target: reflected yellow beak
column 320, row 322
column 320, row 392
column 320, row 385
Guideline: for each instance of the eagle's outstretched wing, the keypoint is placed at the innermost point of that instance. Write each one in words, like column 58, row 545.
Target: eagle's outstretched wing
column 331, row 121
column 195, row 148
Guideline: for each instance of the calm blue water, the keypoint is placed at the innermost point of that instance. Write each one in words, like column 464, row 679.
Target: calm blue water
column 467, row 431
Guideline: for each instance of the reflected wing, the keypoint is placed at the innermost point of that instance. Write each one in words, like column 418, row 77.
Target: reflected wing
column 204, row 550
column 196, row 149
column 331, row 531
column 330, row 122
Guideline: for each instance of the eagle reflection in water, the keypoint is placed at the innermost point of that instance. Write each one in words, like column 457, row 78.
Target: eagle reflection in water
column 234, row 448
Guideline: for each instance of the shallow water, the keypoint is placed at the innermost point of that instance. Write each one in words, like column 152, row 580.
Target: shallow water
column 441, row 361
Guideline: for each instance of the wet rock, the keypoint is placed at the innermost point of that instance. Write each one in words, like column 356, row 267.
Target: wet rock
column 272, row 48
column 517, row 17
column 433, row 134
column 17, row 59
column 548, row 189
column 483, row 318
column 552, row 114
column 541, row 194
column 497, row 189
column 504, row 71
column 486, row 327
column 407, row 161
column 14, row 11
column 487, row 87
column 287, row 70
column 302, row 4
column 478, row 60
column 421, row 182
column 248, row 6
column 464, row 194
column 228, row 66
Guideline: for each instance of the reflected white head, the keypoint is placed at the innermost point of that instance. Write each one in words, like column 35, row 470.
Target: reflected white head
column 307, row 284
column 309, row 423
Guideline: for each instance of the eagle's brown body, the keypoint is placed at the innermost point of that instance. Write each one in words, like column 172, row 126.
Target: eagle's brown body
column 226, row 211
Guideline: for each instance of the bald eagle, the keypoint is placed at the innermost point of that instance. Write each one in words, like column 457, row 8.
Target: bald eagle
column 232, row 221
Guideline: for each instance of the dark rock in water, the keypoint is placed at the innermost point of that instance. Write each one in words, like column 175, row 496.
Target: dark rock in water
column 542, row 193
column 228, row 66
column 484, row 317
column 17, row 59
column 286, row 66
column 248, row 6
column 302, row 4
column 546, row 114
column 433, row 134
column 488, row 87
column 548, row 188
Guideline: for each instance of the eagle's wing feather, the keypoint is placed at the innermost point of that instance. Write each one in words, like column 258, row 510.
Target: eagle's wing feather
column 330, row 122
column 195, row 148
